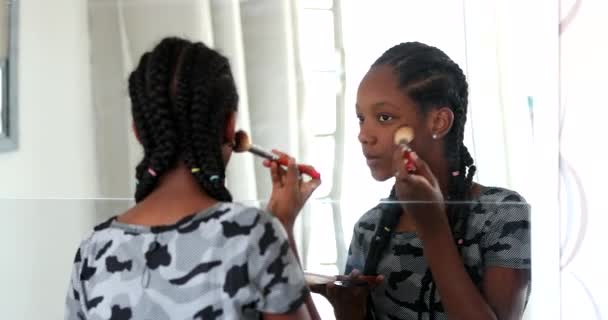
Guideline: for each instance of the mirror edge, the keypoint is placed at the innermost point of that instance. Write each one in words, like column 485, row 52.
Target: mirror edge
column 9, row 137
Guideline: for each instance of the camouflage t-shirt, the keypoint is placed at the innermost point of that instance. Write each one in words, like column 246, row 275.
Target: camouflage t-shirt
column 228, row 262
column 498, row 235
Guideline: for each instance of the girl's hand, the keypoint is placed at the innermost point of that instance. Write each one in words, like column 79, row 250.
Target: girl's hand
column 350, row 302
column 420, row 192
column 289, row 191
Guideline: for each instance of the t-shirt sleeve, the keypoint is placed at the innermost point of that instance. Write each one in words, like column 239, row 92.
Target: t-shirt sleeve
column 506, row 242
column 74, row 309
column 274, row 269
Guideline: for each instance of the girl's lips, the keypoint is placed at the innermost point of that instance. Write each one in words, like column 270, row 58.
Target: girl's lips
column 372, row 161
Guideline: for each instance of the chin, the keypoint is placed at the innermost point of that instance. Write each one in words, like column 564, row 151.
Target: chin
column 381, row 176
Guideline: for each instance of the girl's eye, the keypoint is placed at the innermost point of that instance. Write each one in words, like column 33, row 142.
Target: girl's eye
column 385, row 117
column 360, row 117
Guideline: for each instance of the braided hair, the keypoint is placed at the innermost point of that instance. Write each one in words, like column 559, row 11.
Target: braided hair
column 181, row 96
column 431, row 79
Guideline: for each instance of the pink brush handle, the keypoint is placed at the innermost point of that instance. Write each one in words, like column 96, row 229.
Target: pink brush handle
column 410, row 166
column 303, row 168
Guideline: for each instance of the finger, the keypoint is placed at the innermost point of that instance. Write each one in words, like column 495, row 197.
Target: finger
column 342, row 277
column 350, row 276
column 368, row 279
column 401, row 170
column 377, row 281
column 308, row 187
column 331, row 292
column 293, row 174
column 415, row 181
column 423, row 169
column 319, row 289
column 275, row 176
column 266, row 163
column 280, row 153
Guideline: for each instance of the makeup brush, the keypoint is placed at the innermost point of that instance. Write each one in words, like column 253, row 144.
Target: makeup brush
column 243, row 143
column 403, row 138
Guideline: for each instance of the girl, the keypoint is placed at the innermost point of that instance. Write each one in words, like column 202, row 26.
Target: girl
column 436, row 259
column 185, row 251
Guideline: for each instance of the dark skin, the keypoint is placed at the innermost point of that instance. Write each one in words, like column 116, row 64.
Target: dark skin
column 178, row 195
column 382, row 108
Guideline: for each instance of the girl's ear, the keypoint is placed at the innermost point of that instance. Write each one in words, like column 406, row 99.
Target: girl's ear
column 441, row 121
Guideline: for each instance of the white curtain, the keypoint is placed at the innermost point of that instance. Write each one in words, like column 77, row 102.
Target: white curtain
column 257, row 36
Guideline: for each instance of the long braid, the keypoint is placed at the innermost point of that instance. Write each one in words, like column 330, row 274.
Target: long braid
column 207, row 124
column 432, row 80
column 182, row 99
column 139, row 103
column 159, row 116
column 182, row 94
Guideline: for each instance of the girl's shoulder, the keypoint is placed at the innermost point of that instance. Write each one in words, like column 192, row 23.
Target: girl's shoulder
column 495, row 209
column 369, row 220
column 498, row 195
column 225, row 220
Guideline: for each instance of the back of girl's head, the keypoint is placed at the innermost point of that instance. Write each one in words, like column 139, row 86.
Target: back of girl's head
column 182, row 94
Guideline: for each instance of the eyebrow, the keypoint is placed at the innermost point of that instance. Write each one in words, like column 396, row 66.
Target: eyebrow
column 380, row 104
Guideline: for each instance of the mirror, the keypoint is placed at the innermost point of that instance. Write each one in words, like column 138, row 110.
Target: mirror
column 8, row 75
column 297, row 65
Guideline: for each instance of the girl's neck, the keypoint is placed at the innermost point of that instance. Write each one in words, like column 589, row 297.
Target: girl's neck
column 176, row 196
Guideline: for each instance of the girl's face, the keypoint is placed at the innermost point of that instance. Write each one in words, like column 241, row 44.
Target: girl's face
column 382, row 107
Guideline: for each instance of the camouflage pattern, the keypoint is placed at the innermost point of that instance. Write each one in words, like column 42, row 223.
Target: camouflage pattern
column 498, row 235
column 228, row 262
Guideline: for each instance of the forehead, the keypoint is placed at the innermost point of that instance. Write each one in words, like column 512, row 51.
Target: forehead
column 380, row 78
column 381, row 86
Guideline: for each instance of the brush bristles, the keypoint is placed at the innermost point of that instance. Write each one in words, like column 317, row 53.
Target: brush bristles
column 404, row 135
column 242, row 142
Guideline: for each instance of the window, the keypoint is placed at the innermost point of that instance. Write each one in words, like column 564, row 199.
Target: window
column 322, row 70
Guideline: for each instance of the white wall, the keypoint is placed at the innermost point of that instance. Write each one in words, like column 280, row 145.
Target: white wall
column 56, row 158
column 584, row 110
column 56, row 152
